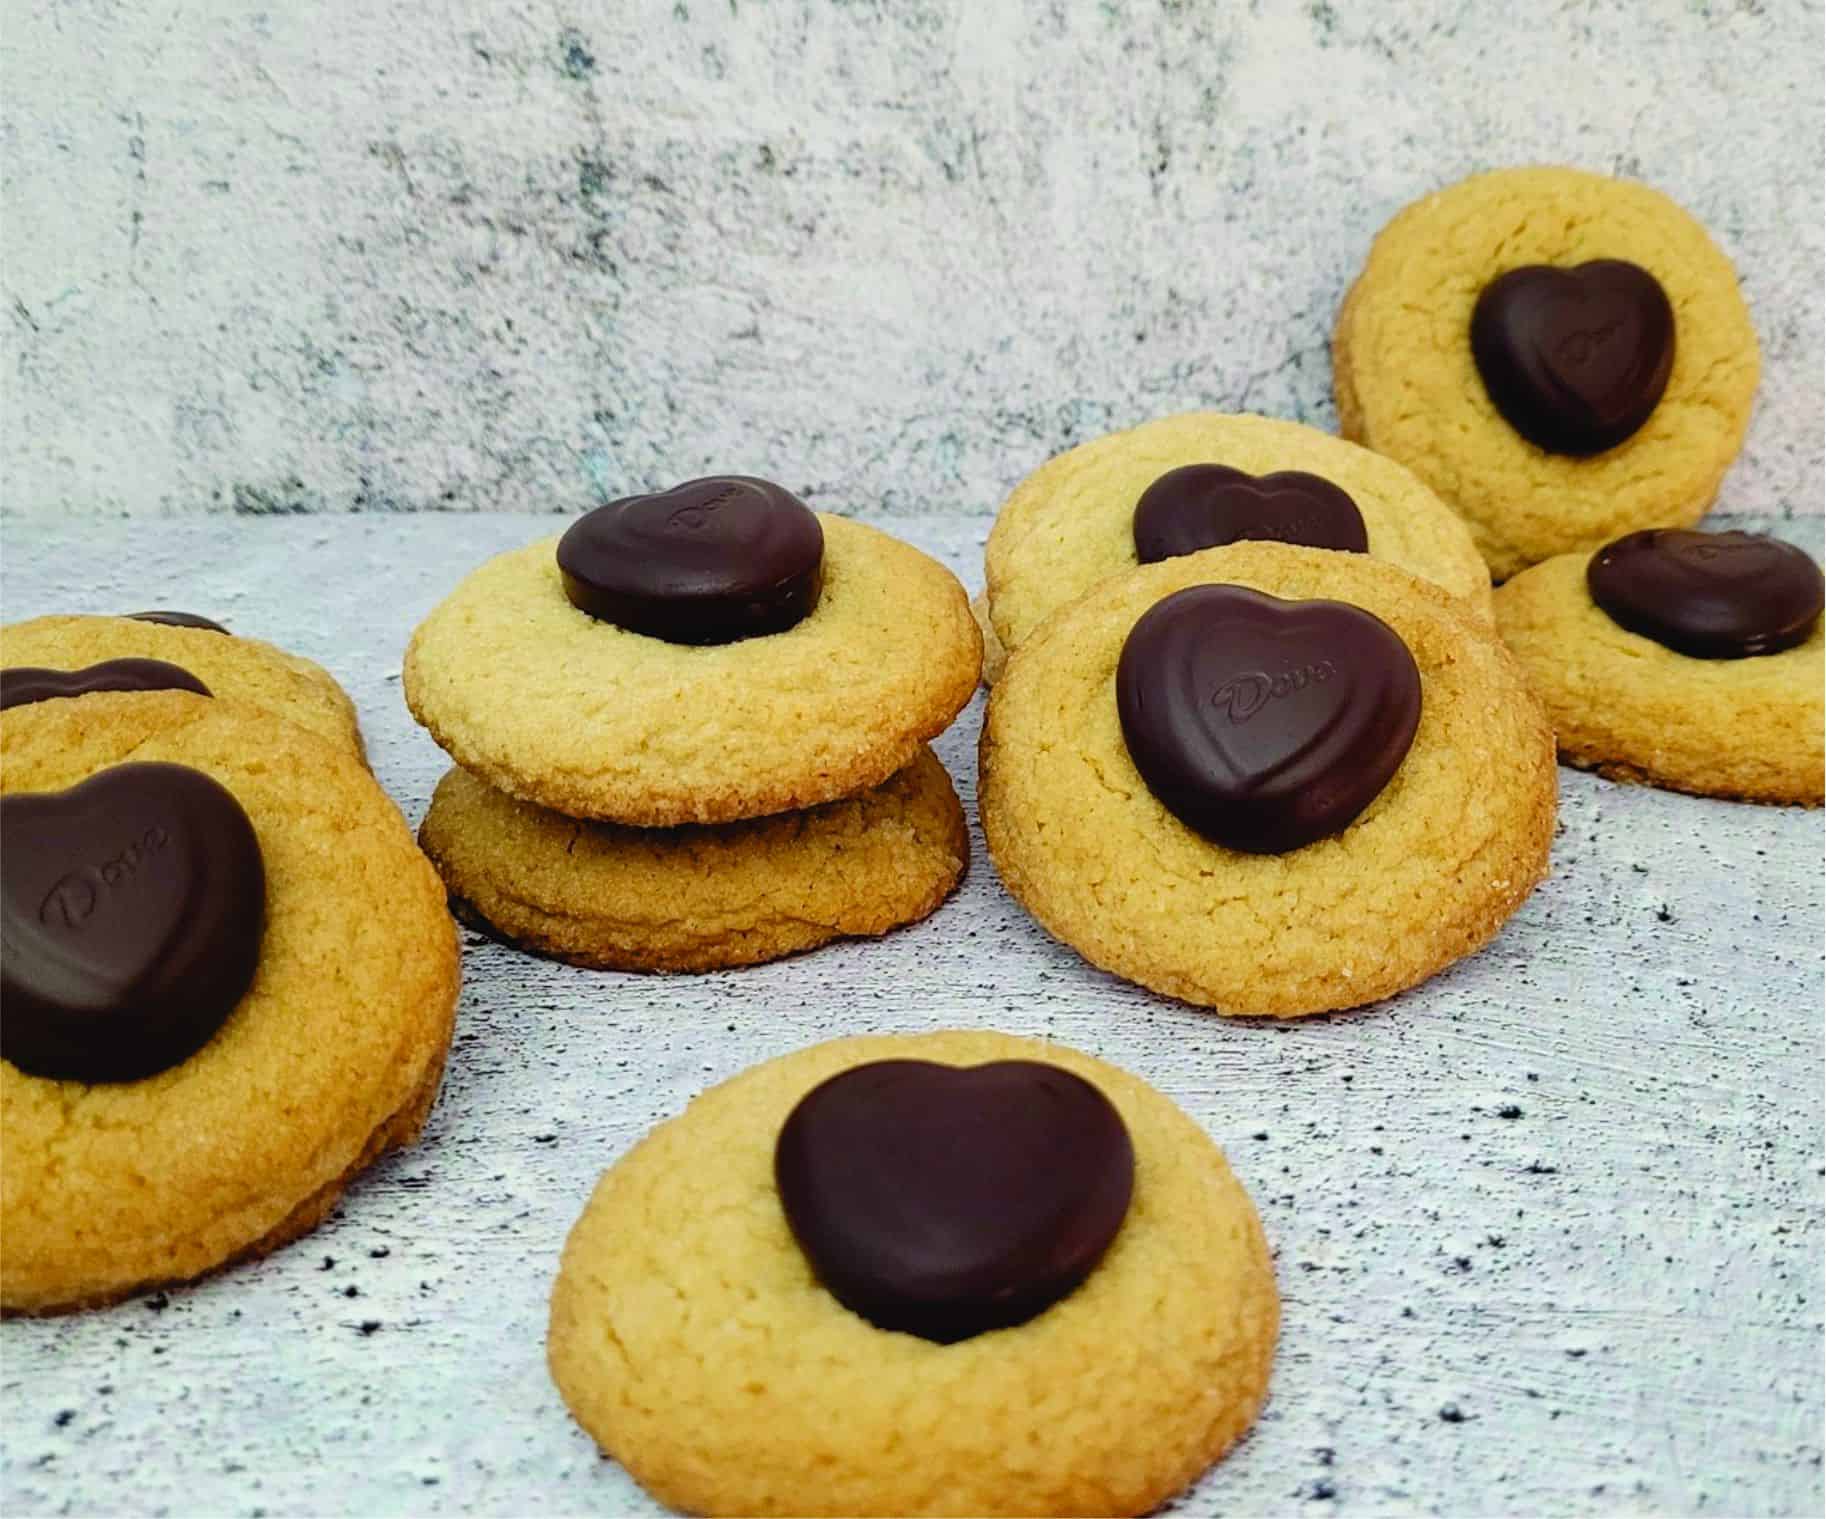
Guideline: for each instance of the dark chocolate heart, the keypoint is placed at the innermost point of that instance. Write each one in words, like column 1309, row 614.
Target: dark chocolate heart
column 1575, row 359
column 1260, row 723
column 131, row 909
column 179, row 620
column 945, row 1201
column 1710, row 595
column 1199, row 506
column 709, row 561
column 27, row 683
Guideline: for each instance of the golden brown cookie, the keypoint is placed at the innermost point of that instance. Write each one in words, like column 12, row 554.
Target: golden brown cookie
column 698, row 897
column 332, row 1055
column 1428, row 873
column 1408, row 386
column 554, row 707
column 241, row 670
column 692, row 1340
column 1070, row 523
column 1634, row 710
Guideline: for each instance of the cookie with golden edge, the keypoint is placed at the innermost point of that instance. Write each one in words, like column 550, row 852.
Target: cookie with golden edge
column 1427, row 874
column 331, row 1057
column 1634, row 710
column 242, row 670
column 572, row 713
column 1408, row 386
column 693, row 1341
column 1070, row 524
column 698, row 897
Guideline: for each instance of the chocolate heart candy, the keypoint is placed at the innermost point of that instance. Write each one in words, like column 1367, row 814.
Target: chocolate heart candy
column 1710, row 595
column 179, row 620
column 946, row 1201
column 709, row 561
column 1199, row 506
column 131, row 909
column 1260, row 723
column 28, row 683
column 1574, row 359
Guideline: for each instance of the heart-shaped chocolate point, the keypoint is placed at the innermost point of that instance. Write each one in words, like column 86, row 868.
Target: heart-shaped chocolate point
column 945, row 1201
column 1708, row 595
column 27, row 683
column 131, row 911
column 1200, row 506
column 179, row 620
column 1265, row 724
column 709, row 561
column 1575, row 359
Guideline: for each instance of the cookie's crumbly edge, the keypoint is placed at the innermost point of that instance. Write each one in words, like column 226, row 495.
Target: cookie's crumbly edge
column 718, row 914
column 286, row 684
column 1066, row 525
column 293, row 1181
column 1261, row 979
column 1634, row 711
column 708, row 1360
column 994, row 655
column 397, row 1133
column 1524, row 505
column 852, row 744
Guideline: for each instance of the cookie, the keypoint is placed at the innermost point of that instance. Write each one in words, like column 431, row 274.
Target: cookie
column 1593, row 427
column 692, row 1338
column 242, row 670
column 1073, row 521
column 558, row 707
column 1313, row 701
column 698, row 897
column 1631, row 706
column 329, row 1056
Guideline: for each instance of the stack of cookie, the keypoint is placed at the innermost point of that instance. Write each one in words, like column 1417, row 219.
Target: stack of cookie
column 229, row 977
column 691, row 732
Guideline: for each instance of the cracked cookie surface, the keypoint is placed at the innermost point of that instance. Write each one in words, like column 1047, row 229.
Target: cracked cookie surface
column 332, row 1055
column 1634, row 710
column 1407, row 385
column 1424, row 876
column 241, row 670
column 1070, row 523
column 698, row 897
column 690, row 1337
column 554, row 707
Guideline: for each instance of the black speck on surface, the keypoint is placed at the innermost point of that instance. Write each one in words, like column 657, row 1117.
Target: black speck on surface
column 64, row 1416
column 574, row 55
column 368, row 1327
column 329, row 1263
column 158, row 1302
column 1450, row 1414
column 1664, row 914
column 379, row 1253
column 1508, row 1110
column 351, row 1291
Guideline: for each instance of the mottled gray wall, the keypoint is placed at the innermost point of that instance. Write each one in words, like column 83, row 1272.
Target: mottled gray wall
column 422, row 254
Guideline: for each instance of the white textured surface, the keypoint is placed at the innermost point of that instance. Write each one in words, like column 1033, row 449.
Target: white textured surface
column 1548, row 1229
column 377, row 254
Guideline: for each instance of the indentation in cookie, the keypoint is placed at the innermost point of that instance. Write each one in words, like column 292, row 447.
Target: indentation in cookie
column 131, row 910
column 1265, row 724
column 946, row 1201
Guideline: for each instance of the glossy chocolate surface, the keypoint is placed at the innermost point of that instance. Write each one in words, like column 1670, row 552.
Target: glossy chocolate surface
column 1576, row 360
column 22, row 684
column 1200, row 506
column 707, row 562
column 131, row 913
column 1265, row 724
column 946, row 1201
column 179, row 620
column 1708, row 595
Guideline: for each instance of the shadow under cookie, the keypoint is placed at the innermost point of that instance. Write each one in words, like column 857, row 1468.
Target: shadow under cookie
column 699, row 897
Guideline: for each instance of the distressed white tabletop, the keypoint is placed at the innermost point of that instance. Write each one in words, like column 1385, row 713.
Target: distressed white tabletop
column 1548, row 1228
